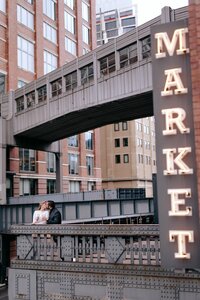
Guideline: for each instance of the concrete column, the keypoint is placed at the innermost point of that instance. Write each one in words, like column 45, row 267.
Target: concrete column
column 59, row 172
column 2, row 161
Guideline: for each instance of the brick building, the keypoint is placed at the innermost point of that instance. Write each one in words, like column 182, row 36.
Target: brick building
column 194, row 34
column 36, row 37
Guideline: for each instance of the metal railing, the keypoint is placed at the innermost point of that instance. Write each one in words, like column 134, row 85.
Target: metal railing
column 112, row 244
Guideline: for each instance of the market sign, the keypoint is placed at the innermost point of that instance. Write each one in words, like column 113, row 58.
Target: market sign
column 175, row 150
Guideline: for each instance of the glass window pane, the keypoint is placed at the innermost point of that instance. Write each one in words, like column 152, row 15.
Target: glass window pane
column 25, row 54
column 85, row 11
column 3, row 6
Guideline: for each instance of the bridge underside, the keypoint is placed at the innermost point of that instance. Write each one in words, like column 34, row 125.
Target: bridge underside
column 100, row 281
column 138, row 106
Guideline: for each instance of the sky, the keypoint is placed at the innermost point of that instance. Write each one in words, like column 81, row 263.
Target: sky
column 146, row 9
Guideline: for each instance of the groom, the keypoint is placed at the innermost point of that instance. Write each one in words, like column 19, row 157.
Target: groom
column 54, row 214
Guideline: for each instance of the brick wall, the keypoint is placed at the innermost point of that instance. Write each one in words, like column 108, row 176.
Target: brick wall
column 194, row 39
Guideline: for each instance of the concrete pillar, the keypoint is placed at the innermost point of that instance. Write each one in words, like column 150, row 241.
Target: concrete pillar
column 59, row 172
column 2, row 161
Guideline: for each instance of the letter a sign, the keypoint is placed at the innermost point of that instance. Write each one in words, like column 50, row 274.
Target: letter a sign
column 175, row 149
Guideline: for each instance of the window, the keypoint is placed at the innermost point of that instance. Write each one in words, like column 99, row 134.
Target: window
column 90, row 165
column 116, row 127
column 49, row 33
column 21, row 83
column 30, row 1
column 2, row 83
column 56, row 87
column 117, row 159
column 140, row 158
column 69, row 22
column 3, row 6
column 71, row 81
column 42, row 94
column 148, row 160
column 128, row 55
column 146, row 47
column 139, row 126
column 126, row 158
column 112, row 33
column 85, row 33
column 28, row 187
column 25, row 54
column 74, row 186
column 30, row 99
column 70, row 46
column 126, row 29
column 85, row 11
column 51, row 186
column 70, row 3
column 111, row 25
column 73, row 163
column 124, row 125
column 27, row 160
column 91, row 186
column 139, row 142
column 49, row 8
column 125, row 142
column 117, row 143
column 107, row 64
column 73, row 141
column 89, row 140
column 50, row 62
column 20, row 104
column 128, row 22
column 25, row 17
column 51, row 162
column 85, row 51
column 87, row 73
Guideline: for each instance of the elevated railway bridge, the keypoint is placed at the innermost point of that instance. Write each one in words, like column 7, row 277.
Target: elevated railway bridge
column 145, row 72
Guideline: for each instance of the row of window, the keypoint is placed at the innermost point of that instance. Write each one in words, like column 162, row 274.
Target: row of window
column 144, row 128
column 56, row 88
column 27, row 159
column 49, row 8
column 74, row 164
column 118, row 158
column 121, row 126
column 124, row 142
column 73, row 141
column 141, row 143
column 26, row 61
column 141, row 127
column 127, row 55
column 145, row 159
column 25, row 53
column 29, row 186
column 141, row 159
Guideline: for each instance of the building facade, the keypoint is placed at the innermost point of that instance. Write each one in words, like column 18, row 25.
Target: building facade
column 114, row 19
column 128, row 157
column 36, row 37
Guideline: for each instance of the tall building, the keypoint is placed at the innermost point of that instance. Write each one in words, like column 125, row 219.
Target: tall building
column 36, row 37
column 114, row 19
column 128, row 157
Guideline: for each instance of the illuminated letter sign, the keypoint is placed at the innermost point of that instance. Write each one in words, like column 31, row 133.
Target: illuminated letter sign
column 175, row 150
column 173, row 80
column 174, row 116
column 179, row 35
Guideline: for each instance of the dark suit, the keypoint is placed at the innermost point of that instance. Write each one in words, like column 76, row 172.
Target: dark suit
column 54, row 217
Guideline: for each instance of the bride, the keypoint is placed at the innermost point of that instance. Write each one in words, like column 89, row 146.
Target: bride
column 41, row 215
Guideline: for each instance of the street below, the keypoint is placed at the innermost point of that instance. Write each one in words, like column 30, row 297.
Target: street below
column 4, row 293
